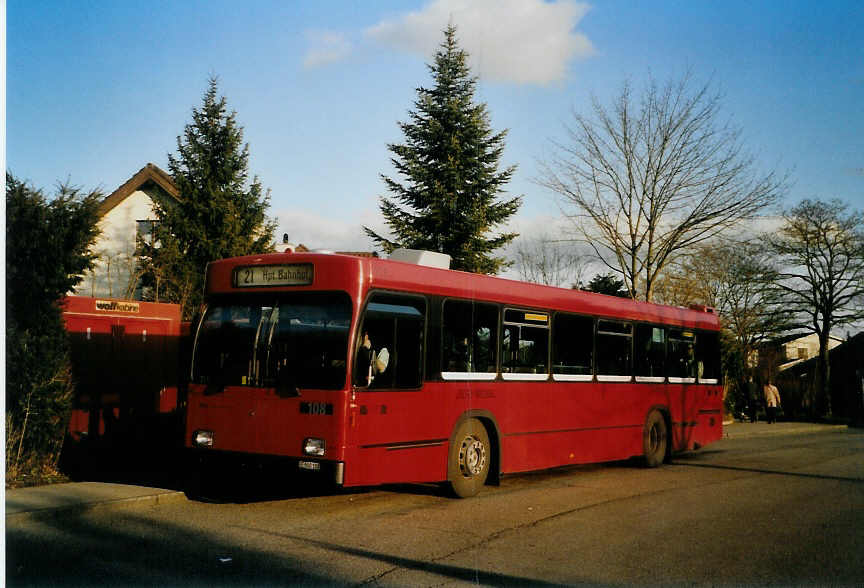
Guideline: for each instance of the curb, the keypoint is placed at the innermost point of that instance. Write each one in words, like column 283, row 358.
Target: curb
column 106, row 505
column 808, row 430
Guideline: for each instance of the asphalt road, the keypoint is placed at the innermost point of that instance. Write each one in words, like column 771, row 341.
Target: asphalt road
column 786, row 509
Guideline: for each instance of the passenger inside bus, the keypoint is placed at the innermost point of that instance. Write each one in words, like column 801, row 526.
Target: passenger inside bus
column 460, row 359
column 370, row 364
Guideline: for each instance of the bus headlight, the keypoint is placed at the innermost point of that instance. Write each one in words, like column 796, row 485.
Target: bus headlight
column 202, row 438
column 313, row 446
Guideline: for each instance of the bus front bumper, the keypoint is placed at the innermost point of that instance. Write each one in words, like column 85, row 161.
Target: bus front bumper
column 228, row 462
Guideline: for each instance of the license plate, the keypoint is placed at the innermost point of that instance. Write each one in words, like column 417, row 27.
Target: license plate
column 312, row 466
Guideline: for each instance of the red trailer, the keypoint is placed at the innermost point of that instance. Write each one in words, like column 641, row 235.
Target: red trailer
column 125, row 363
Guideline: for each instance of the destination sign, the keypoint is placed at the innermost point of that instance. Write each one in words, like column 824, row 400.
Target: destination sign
column 289, row 274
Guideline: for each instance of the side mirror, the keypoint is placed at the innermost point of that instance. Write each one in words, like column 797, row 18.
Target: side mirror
column 382, row 360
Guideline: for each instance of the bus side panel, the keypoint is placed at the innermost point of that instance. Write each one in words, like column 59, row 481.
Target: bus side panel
column 554, row 449
column 399, row 436
column 569, row 423
column 708, row 417
column 367, row 466
column 403, row 436
column 697, row 415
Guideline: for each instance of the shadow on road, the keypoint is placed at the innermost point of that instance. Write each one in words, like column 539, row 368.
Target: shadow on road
column 132, row 550
column 152, row 467
column 244, row 485
column 679, row 462
column 463, row 574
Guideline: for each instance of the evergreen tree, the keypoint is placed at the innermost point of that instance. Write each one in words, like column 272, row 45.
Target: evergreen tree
column 608, row 284
column 47, row 251
column 220, row 213
column 449, row 162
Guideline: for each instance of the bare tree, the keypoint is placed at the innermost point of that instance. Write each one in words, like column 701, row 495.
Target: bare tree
column 820, row 249
column 653, row 177
column 108, row 258
column 735, row 278
column 545, row 260
column 132, row 270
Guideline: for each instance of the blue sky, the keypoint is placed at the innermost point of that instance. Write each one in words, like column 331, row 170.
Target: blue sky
column 96, row 89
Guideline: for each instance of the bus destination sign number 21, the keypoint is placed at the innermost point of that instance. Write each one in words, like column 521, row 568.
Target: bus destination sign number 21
column 290, row 274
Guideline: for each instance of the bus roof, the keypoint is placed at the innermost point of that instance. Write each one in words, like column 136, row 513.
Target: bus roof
column 360, row 274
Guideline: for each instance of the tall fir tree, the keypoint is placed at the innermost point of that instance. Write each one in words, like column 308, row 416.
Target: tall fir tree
column 448, row 201
column 220, row 212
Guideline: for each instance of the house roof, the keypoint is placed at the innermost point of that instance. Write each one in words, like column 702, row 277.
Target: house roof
column 150, row 173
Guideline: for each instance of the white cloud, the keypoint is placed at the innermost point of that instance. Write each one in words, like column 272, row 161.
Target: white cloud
column 521, row 41
column 326, row 47
column 327, row 232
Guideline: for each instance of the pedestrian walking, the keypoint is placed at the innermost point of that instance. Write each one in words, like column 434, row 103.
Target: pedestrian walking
column 772, row 401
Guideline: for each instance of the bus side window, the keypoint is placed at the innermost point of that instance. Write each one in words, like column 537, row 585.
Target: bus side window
column 525, row 342
column 650, row 351
column 614, row 349
column 708, row 356
column 409, row 338
column 681, row 360
column 572, row 345
column 469, row 337
column 395, row 328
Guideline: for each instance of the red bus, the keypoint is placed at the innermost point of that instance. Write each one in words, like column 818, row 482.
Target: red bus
column 373, row 371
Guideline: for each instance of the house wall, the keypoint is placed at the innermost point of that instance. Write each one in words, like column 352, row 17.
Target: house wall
column 115, row 245
column 808, row 346
column 798, row 383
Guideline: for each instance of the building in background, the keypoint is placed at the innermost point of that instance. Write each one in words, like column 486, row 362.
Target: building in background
column 129, row 213
column 797, row 383
column 788, row 351
column 791, row 363
column 126, row 214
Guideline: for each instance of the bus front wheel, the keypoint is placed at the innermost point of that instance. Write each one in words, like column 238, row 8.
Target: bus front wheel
column 468, row 462
column 654, row 439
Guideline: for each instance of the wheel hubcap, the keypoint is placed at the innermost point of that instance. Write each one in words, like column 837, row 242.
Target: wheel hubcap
column 472, row 457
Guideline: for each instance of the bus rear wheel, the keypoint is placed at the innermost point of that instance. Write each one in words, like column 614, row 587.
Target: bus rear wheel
column 468, row 462
column 654, row 439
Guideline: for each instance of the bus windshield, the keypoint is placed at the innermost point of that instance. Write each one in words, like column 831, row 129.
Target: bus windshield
column 284, row 341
